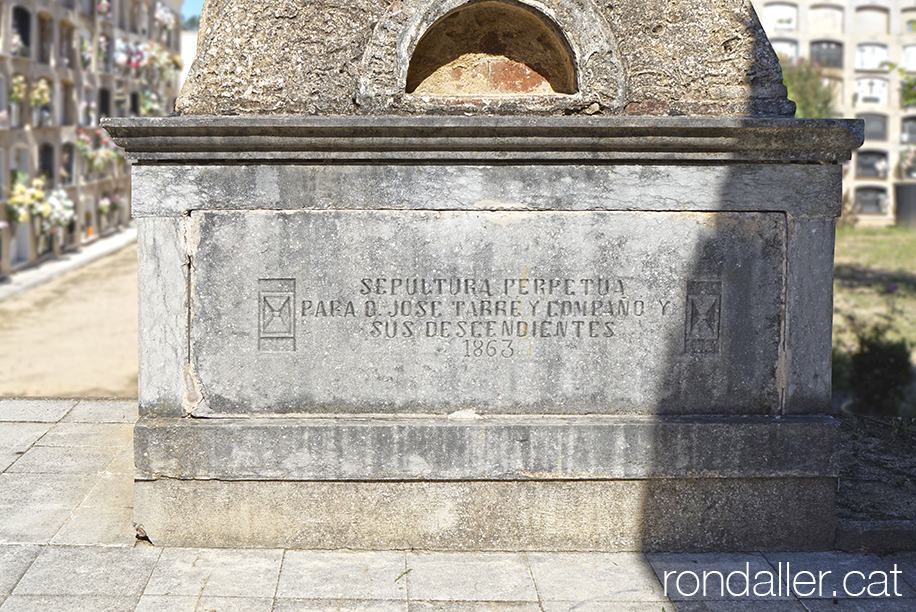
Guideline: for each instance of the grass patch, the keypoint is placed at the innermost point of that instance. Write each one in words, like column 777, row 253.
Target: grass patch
column 874, row 286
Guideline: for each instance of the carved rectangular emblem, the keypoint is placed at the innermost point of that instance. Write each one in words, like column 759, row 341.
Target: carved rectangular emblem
column 704, row 309
column 277, row 323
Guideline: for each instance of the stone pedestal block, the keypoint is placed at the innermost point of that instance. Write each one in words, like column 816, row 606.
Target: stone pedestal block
column 479, row 334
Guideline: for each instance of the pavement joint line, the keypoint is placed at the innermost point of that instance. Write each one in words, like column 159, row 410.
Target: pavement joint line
column 534, row 581
column 406, row 580
column 279, row 573
column 148, row 577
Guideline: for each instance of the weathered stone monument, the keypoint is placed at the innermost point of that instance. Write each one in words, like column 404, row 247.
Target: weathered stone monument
column 485, row 275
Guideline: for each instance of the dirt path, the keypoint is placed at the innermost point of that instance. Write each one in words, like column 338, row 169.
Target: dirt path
column 75, row 336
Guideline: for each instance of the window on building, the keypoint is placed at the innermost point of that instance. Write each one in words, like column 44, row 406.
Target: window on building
column 909, row 58
column 88, row 107
column 67, row 157
column 67, row 49
column 21, row 37
column 20, row 164
column 871, row 56
column 780, row 17
column 871, row 164
column 124, row 14
column 871, row 20
column 875, row 126
column 135, row 16
column 104, row 103
column 908, row 130
column 909, row 20
column 827, row 53
column 46, row 163
column 871, row 200
column 785, row 48
column 825, row 19
column 871, row 91
column 45, row 39
column 67, row 104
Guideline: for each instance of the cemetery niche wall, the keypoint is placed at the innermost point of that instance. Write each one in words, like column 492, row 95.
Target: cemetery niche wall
column 485, row 276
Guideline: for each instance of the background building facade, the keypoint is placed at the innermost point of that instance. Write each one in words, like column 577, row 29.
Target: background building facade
column 63, row 65
column 868, row 52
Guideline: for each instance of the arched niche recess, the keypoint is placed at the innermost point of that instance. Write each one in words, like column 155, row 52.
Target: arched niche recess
column 492, row 49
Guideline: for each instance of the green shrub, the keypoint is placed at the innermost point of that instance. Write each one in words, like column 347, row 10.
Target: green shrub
column 842, row 366
column 880, row 372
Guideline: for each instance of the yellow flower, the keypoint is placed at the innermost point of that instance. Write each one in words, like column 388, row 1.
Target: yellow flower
column 38, row 195
column 38, row 183
column 18, row 189
column 46, row 210
column 23, row 215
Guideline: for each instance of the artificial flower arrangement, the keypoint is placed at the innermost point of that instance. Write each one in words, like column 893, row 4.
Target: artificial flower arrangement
column 103, row 7
column 18, row 89
column 104, row 205
column 96, row 156
column 150, row 104
column 85, row 53
column 40, row 94
column 61, row 213
column 25, row 201
column 17, row 46
column 103, row 50
column 164, row 17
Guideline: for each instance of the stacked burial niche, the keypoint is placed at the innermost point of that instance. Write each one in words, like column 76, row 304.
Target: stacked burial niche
column 485, row 276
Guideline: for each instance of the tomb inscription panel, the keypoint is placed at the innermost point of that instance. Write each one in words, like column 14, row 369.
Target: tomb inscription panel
column 495, row 312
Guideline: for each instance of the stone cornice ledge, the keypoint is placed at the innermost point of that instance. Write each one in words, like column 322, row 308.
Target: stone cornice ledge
column 295, row 138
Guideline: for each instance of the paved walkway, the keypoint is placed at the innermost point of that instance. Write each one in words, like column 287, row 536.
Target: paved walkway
column 67, row 543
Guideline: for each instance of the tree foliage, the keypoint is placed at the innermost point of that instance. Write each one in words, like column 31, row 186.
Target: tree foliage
column 812, row 93
column 191, row 23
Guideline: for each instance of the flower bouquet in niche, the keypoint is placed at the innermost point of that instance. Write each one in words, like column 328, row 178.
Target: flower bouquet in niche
column 18, row 91
column 39, row 98
column 28, row 202
column 103, row 8
column 61, row 211
column 164, row 17
column 17, row 46
column 85, row 53
column 150, row 104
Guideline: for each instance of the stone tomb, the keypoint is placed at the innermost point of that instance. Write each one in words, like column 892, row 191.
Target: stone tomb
column 399, row 326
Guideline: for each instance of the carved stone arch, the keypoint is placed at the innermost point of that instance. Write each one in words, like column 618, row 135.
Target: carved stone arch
column 385, row 62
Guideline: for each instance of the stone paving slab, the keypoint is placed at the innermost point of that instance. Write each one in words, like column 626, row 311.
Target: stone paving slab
column 470, row 577
column 216, row 573
column 67, row 542
column 34, row 411
column 332, row 575
column 599, row 577
column 117, row 435
column 103, row 411
column 89, row 571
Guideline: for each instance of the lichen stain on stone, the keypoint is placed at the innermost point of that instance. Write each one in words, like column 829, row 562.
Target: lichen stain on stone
column 193, row 396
